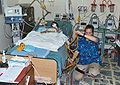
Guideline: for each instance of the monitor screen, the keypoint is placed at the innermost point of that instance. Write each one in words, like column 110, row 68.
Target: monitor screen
column 94, row 22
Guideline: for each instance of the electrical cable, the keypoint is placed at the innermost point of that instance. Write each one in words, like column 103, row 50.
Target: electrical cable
column 23, row 27
column 86, row 17
column 28, row 24
column 7, row 34
column 103, row 13
column 109, row 1
column 114, row 21
column 70, row 13
column 22, row 30
column 74, row 26
column 94, row 1
column 41, row 20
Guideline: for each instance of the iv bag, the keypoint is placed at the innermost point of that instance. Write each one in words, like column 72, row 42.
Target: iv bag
column 102, row 7
column 111, row 6
column 93, row 7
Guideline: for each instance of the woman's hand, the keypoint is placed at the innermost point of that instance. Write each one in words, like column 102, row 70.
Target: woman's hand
column 78, row 33
column 90, row 37
column 71, row 60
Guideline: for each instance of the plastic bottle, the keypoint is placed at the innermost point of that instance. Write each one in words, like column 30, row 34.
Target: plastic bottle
column 4, row 59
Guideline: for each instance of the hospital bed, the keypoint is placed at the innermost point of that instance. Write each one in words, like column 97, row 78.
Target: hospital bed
column 54, row 49
column 42, row 51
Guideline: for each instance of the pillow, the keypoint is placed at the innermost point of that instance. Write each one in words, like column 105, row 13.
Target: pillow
column 41, row 29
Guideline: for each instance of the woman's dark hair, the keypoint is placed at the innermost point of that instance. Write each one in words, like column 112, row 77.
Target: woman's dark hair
column 89, row 27
column 54, row 23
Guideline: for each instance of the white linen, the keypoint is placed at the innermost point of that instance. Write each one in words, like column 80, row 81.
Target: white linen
column 50, row 41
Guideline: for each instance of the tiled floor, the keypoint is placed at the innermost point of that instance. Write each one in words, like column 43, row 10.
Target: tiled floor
column 109, row 74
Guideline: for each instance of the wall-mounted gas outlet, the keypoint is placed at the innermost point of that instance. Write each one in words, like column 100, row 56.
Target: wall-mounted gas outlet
column 82, row 9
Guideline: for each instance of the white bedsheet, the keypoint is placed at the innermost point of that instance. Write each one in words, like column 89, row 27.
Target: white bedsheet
column 50, row 41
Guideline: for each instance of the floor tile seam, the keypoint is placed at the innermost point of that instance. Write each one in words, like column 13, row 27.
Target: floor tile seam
column 93, row 82
column 118, row 80
column 106, row 69
column 115, row 71
column 113, row 79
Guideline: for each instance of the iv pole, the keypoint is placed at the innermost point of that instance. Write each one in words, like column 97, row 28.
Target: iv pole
column 44, row 9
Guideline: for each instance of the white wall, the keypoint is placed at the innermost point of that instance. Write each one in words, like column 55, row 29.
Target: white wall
column 58, row 6
column 10, row 2
column 5, row 42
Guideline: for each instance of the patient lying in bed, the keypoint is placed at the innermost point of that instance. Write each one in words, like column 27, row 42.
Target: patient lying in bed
column 50, row 30
column 50, row 41
column 42, row 38
column 54, row 28
column 43, row 45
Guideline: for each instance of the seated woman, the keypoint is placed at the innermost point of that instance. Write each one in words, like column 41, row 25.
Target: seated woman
column 89, row 56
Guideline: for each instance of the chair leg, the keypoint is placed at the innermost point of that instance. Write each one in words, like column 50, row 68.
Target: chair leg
column 71, row 79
